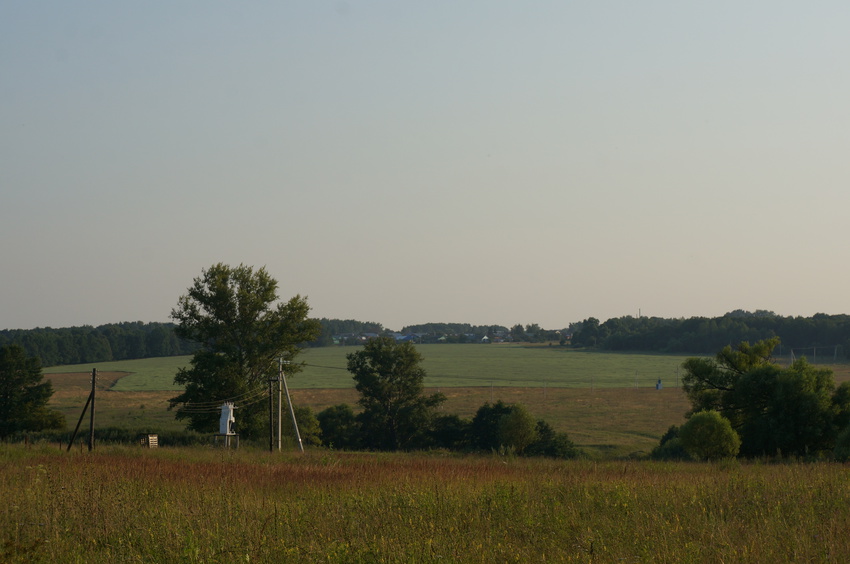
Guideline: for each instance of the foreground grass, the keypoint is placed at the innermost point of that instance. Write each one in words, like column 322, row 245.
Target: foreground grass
column 204, row 505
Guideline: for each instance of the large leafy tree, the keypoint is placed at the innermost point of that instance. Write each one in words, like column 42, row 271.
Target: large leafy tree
column 396, row 412
column 791, row 411
column 24, row 394
column 233, row 313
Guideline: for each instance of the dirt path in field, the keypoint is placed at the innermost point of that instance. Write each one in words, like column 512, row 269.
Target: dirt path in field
column 74, row 383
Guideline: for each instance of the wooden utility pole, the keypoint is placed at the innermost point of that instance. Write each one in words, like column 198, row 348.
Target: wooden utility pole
column 91, row 430
column 271, row 416
column 279, row 405
column 291, row 410
column 90, row 400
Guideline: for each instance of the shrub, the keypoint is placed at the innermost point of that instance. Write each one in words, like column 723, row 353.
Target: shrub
column 451, row 432
column 709, row 436
column 340, row 428
column 842, row 445
column 670, row 446
column 551, row 444
column 517, row 429
column 309, row 427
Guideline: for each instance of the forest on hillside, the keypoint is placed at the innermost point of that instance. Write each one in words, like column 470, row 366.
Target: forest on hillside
column 821, row 334
column 114, row 341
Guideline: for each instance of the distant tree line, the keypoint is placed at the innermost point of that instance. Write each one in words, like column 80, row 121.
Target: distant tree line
column 116, row 341
column 332, row 329
column 454, row 332
column 705, row 335
column 695, row 335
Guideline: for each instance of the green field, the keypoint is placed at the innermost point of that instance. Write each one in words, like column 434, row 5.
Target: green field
column 147, row 374
column 447, row 366
column 606, row 402
column 591, row 396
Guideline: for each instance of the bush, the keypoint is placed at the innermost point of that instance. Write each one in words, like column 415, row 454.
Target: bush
column 517, row 429
column 309, row 427
column 451, row 432
column 551, row 444
column 340, row 429
column 709, row 436
column 670, row 447
column 842, row 446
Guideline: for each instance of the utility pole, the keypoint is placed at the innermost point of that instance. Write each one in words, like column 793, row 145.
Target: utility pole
column 271, row 416
column 91, row 420
column 291, row 409
column 279, row 404
column 90, row 400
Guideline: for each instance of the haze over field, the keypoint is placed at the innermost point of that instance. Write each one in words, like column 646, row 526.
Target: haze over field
column 478, row 162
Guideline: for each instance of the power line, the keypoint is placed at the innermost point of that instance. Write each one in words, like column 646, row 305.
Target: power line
column 244, row 399
column 329, row 367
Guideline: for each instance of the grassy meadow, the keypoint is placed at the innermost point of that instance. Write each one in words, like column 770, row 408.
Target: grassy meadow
column 123, row 504
column 606, row 402
column 204, row 504
column 446, row 366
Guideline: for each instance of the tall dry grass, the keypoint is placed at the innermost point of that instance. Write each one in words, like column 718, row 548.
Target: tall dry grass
column 204, row 505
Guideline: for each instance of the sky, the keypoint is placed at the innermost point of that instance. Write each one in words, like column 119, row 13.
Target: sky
column 492, row 162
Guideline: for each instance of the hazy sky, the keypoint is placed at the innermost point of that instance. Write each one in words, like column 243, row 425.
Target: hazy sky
column 408, row 162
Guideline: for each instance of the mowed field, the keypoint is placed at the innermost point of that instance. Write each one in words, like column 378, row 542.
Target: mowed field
column 607, row 402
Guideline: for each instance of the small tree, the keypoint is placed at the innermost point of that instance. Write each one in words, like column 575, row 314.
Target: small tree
column 707, row 435
column 23, row 394
column 396, row 413
column 484, row 430
column 517, row 429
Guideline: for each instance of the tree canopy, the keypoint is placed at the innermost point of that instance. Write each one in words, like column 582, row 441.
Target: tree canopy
column 24, row 394
column 233, row 313
column 86, row 344
column 788, row 411
column 817, row 336
column 396, row 412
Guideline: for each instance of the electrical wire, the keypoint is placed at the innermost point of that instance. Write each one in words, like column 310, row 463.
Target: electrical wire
column 245, row 398
column 330, row 367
